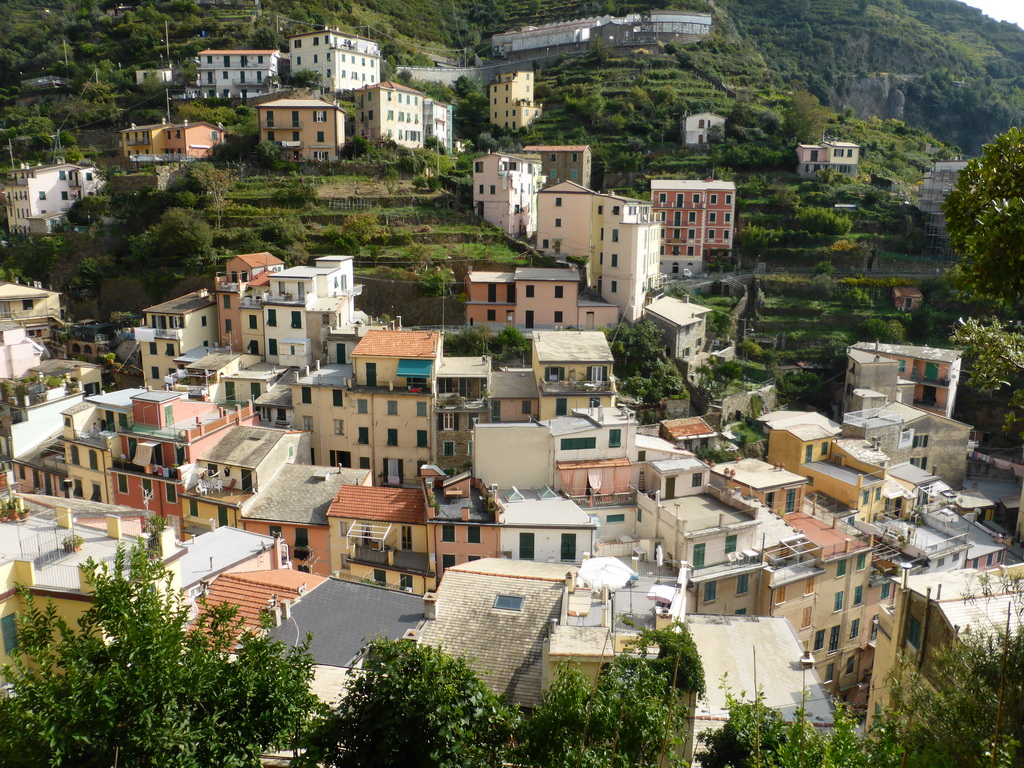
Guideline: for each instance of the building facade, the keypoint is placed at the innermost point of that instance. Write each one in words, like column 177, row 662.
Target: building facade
column 697, row 128
column 535, row 298
column 305, row 129
column 170, row 142
column 698, row 221
column 840, row 156
column 173, row 328
column 37, row 198
column 344, row 61
column 505, row 191
column 390, row 111
column 238, row 74
column 512, row 105
column 564, row 162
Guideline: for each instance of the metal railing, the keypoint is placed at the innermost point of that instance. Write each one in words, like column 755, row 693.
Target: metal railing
column 578, row 386
column 59, row 576
column 370, row 555
column 615, row 499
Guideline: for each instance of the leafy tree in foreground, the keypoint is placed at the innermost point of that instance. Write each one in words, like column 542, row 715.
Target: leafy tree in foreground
column 131, row 684
column 985, row 219
column 997, row 355
column 413, row 706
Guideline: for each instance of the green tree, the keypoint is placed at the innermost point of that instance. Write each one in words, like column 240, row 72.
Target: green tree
column 997, row 355
column 181, row 240
column 413, row 705
column 804, row 118
column 985, row 219
column 215, row 182
column 512, row 341
column 751, row 726
column 132, row 683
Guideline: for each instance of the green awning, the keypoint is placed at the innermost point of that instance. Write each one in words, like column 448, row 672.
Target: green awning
column 415, row 369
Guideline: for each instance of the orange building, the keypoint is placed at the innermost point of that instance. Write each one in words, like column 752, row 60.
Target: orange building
column 305, row 129
column 461, row 526
column 535, row 298
column 242, row 275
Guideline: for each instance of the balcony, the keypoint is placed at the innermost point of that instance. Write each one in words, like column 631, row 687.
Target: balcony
column 355, row 290
column 251, row 302
column 735, row 561
column 290, row 144
column 370, row 555
column 448, row 401
column 615, row 499
column 160, row 333
column 924, row 378
column 270, row 125
column 590, row 387
column 151, row 470
column 285, row 298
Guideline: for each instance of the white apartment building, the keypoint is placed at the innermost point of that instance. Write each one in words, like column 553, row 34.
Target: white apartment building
column 505, row 191
column 437, row 122
column 303, row 305
column 239, row 74
column 38, row 197
column 344, row 61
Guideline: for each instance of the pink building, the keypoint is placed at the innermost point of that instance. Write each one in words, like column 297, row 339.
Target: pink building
column 460, row 525
column 841, row 156
column 231, row 288
column 166, row 431
column 535, row 298
column 505, row 191
column 698, row 221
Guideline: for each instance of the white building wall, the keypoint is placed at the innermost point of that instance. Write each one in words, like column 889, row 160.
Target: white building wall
column 345, row 62
column 547, row 542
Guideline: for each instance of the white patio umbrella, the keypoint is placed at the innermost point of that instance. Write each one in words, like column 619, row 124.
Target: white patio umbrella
column 662, row 593
column 607, row 572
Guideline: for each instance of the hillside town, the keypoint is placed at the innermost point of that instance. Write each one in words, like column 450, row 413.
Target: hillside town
column 522, row 501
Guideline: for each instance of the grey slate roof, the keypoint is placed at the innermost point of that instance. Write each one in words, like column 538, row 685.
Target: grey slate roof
column 278, row 396
column 181, row 305
column 302, row 493
column 343, row 615
column 504, row 647
column 244, row 447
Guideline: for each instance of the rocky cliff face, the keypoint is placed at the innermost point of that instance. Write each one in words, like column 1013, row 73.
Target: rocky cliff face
column 879, row 95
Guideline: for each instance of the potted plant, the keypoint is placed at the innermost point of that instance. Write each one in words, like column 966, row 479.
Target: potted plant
column 73, row 543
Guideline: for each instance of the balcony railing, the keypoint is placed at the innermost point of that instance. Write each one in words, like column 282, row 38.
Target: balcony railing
column 578, row 386
column 942, row 381
column 617, row 499
column 370, row 555
column 449, row 401
column 271, row 125
column 285, row 298
column 734, row 561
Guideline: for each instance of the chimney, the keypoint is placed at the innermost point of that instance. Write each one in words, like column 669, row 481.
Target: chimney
column 570, row 582
column 430, row 606
column 286, row 610
column 275, row 553
column 465, row 514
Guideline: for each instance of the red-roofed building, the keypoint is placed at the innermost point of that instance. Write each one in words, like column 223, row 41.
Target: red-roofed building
column 907, row 298
column 563, row 162
column 390, row 111
column 380, row 534
column 259, row 593
column 690, row 433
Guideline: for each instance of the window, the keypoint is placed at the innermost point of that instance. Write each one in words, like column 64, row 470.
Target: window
column 392, row 437
column 780, row 595
column 561, row 405
column 710, row 591
column 854, row 629
column 364, row 436
column 559, row 291
column 830, row 673
column 526, row 546
column 526, row 407
column 819, row 639
column 841, row 568
column 339, row 427
column 615, row 259
column 698, row 555
column 743, row 584
column 421, row 438
column 914, row 634
column 448, row 533
column 392, row 407
column 421, row 409
column 862, row 559
column 509, row 602
column 886, row 589
column 833, row 639
column 122, row 483
column 448, row 448
column 447, row 422
column 578, row 443
column 614, row 438
column 169, row 350
column 616, row 518
column 567, row 548
column 837, row 604
column 805, row 619
column 74, row 454
column 615, row 286
column 850, row 664
column 361, row 406
column 307, row 395
column 808, row 454
column 272, row 318
column 858, row 595
column 730, row 544
column 271, row 346
column 296, row 319
column 170, row 493
column 473, row 534
column 9, row 632
column 558, row 317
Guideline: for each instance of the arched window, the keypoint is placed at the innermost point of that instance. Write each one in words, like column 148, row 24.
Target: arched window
column 675, row 267
column 700, row 124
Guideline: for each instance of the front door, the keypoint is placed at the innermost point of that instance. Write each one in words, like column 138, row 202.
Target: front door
column 339, row 354
column 670, row 487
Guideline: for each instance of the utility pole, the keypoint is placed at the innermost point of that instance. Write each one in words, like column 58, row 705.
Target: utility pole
column 67, row 69
column 167, row 99
column 167, row 42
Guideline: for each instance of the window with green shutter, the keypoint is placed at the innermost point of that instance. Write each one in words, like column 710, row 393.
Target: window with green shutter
column 272, row 318
column 271, row 346
column 222, row 516
column 307, row 395
column 421, row 438
column 526, row 548
column 296, row 319
column 193, row 508
column 730, row 544
column 9, row 631
column 698, row 555
column 578, row 443
column 392, row 437
column 364, row 435
column 561, row 406
column 338, row 397
column 614, row 438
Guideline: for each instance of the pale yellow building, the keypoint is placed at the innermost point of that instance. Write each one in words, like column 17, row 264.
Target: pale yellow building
column 573, row 370
column 34, row 308
column 390, row 111
column 305, row 129
column 172, row 328
column 380, row 534
column 378, row 412
column 617, row 235
column 512, row 105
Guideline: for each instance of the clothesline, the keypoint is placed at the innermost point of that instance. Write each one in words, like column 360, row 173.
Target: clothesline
column 1018, row 469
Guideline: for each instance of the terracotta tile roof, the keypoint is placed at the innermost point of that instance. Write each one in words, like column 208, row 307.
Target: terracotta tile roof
column 680, row 429
column 382, row 343
column 363, row 502
column 252, row 591
column 261, row 259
